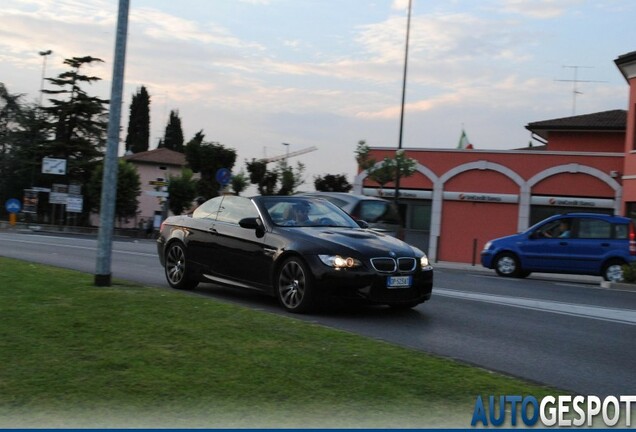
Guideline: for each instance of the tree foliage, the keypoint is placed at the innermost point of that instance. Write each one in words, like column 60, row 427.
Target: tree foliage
column 207, row 158
column 332, row 183
column 239, row 182
column 266, row 180
column 138, row 136
column 182, row 191
column 10, row 127
column 74, row 126
column 128, row 189
column 386, row 171
column 290, row 178
column 173, row 137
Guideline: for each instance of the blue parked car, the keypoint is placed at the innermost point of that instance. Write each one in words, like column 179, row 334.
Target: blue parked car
column 575, row 243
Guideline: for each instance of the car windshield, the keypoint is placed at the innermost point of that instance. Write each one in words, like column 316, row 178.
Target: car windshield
column 306, row 212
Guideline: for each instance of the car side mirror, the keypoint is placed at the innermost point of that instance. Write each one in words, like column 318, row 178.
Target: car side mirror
column 253, row 223
column 362, row 223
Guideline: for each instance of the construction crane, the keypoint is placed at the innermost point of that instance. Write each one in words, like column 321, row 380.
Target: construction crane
column 288, row 154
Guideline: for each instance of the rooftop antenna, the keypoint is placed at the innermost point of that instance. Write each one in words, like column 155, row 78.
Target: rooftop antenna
column 574, row 82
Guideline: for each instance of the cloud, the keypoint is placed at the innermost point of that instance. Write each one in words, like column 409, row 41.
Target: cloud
column 539, row 9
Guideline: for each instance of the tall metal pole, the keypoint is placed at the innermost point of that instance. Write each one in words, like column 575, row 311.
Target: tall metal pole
column 406, row 58
column 109, row 181
column 44, row 54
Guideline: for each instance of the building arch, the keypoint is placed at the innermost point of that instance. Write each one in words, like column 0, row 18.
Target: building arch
column 359, row 179
column 438, row 195
column 575, row 168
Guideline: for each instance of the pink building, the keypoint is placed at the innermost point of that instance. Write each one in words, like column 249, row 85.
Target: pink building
column 154, row 168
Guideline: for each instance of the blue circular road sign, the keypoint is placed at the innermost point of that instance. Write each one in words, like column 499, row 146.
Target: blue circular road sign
column 223, row 176
column 13, row 205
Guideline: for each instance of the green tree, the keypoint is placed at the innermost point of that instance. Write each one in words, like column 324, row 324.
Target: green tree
column 332, row 183
column 173, row 137
column 10, row 116
column 75, row 122
column 206, row 158
column 138, row 135
column 128, row 189
column 239, row 182
column 20, row 166
column 182, row 191
column 386, row 171
column 264, row 180
column 290, row 179
column 362, row 156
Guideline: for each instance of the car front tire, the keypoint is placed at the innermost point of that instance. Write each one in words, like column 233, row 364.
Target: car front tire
column 507, row 264
column 176, row 268
column 294, row 286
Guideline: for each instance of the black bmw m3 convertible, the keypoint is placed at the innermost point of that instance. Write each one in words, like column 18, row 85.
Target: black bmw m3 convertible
column 300, row 249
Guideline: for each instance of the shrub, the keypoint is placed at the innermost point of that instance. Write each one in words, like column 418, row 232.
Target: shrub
column 629, row 272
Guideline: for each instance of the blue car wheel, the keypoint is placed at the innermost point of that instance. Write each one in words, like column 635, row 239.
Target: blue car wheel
column 507, row 264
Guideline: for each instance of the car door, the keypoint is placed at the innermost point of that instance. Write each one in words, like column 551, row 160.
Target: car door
column 594, row 240
column 201, row 239
column 544, row 250
column 242, row 257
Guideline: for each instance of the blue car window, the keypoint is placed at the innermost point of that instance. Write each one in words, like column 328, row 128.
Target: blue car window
column 621, row 231
column 594, row 229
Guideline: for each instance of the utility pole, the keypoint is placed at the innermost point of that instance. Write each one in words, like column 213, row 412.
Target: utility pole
column 109, row 181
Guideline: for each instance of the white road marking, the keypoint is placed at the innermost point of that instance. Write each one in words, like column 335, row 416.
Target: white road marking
column 623, row 316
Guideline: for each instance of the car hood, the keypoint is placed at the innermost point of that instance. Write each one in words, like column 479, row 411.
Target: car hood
column 510, row 238
column 366, row 242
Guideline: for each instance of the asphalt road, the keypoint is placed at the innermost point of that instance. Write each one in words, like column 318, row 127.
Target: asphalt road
column 563, row 331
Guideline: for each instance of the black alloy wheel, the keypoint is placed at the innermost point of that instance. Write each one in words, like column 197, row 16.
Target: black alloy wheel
column 294, row 286
column 177, row 269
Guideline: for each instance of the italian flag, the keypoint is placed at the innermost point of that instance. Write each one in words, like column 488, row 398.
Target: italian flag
column 464, row 144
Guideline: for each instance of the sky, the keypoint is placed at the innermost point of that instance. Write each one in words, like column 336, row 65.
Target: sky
column 254, row 74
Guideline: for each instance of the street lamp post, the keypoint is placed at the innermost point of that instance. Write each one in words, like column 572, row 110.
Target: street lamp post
column 286, row 153
column 406, row 57
column 44, row 55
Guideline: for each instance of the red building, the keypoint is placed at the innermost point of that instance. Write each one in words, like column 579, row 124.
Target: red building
column 459, row 199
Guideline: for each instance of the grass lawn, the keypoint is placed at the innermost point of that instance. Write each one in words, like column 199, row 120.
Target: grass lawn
column 75, row 355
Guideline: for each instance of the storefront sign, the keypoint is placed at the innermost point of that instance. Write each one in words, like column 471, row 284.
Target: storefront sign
column 572, row 202
column 390, row 193
column 481, row 197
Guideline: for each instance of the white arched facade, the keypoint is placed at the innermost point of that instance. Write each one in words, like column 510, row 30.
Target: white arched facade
column 525, row 190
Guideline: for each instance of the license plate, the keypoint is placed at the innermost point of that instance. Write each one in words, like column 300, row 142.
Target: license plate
column 398, row 282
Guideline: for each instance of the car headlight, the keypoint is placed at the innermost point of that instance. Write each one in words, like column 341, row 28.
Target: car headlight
column 339, row 262
column 425, row 263
column 487, row 245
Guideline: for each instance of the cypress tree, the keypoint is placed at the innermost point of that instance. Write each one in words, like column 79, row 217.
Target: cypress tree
column 138, row 136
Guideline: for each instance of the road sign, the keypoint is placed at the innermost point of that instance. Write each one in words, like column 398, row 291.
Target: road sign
column 31, row 199
column 223, row 176
column 53, row 166
column 13, row 205
column 74, row 203
column 157, row 193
